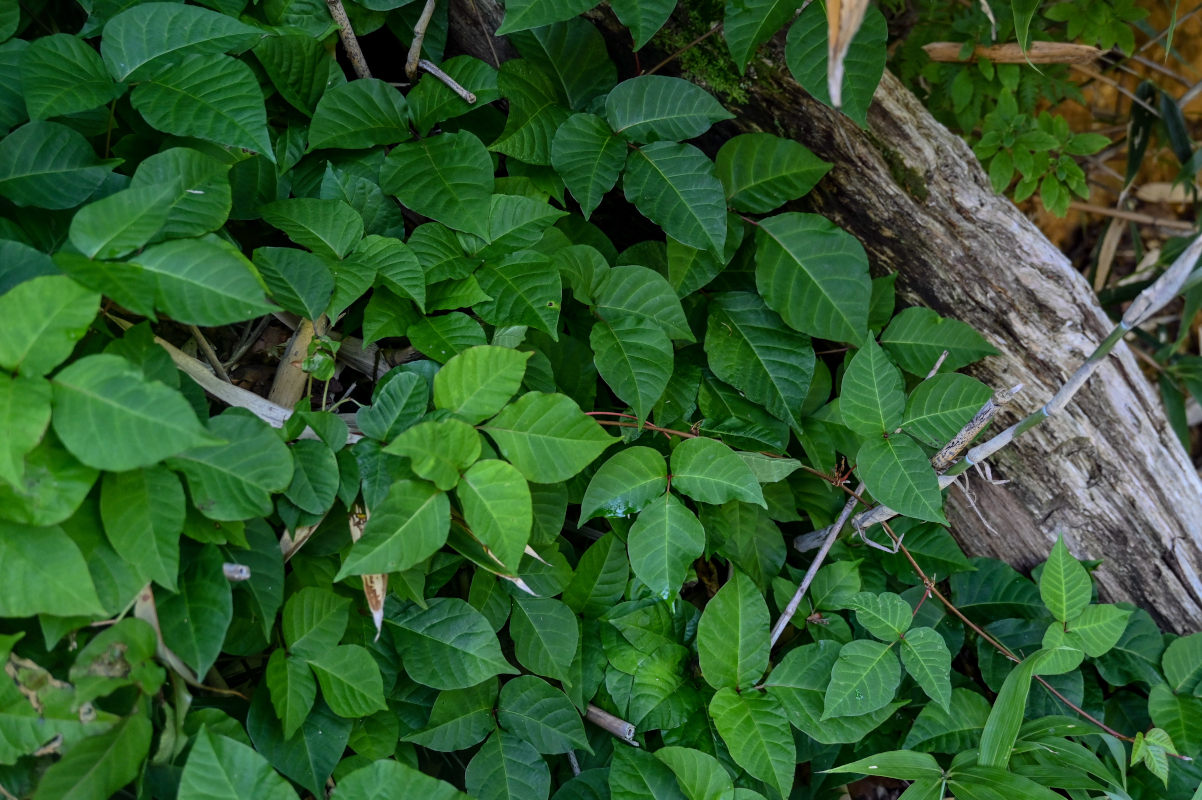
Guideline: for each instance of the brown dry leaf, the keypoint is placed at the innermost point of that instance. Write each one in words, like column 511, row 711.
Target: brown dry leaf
column 843, row 19
column 375, row 587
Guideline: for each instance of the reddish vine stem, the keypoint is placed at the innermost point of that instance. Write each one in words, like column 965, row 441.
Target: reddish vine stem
column 716, row 27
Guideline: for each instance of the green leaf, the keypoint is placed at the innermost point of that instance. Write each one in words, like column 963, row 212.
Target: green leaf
column 925, row 656
column 806, row 57
column 143, row 514
column 201, row 198
column 599, row 579
column 900, row 764
column 215, row 98
column 44, row 318
column 1064, row 584
column 439, row 450
column 886, row 616
column 122, row 222
column 350, row 680
column 1024, row 11
column 525, row 290
column 641, row 292
column 61, row 75
column 750, row 23
column 864, row 678
column 441, row 337
column 1101, row 626
column 700, row 775
column 664, row 540
column 762, row 172
column 545, row 636
column 953, row 730
column 589, row 158
column 140, row 41
column 44, row 574
column 194, row 620
column 547, row 437
column 396, row 406
column 709, row 471
column 1001, row 730
column 448, row 178
column 359, row 114
column 99, row 766
column 460, row 719
column 625, row 484
column 432, row 101
column 507, row 768
column 918, row 336
column 313, row 621
column 309, row 756
column 1180, row 717
column 53, row 485
column 327, row 227
column 299, row 68
column 497, row 508
column 634, row 357
column 110, row 417
column 314, row 476
column 872, row 401
column 521, row 15
column 573, row 53
column 379, row 779
column 732, row 636
column 753, row 542
column 517, row 222
column 48, row 165
column 299, row 281
column 203, row 282
column 653, row 108
column 899, row 475
column 750, row 348
column 478, row 382
column 532, row 710
column 220, row 768
column 979, row 782
column 756, row 731
column 637, row 775
column 236, row 480
column 815, row 275
column 674, row 186
column 293, row 689
column 534, row 112
column 395, row 265
column 942, row 405
column 643, row 17
column 24, row 417
column 409, row 526
column 448, row 645
column 1182, row 658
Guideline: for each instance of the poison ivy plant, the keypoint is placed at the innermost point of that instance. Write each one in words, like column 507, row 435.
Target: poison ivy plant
column 571, row 372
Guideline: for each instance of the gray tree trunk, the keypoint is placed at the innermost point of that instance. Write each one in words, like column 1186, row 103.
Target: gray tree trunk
column 1109, row 474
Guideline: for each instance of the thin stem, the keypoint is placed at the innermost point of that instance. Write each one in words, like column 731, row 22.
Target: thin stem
column 646, row 426
column 419, row 36
column 349, row 41
column 717, row 26
column 464, row 94
column 210, row 354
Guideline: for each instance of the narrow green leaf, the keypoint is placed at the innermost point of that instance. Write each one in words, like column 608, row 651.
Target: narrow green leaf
column 872, row 401
column 448, row 178
column 1064, row 584
column 1001, row 730
column 44, row 574
column 477, row 383
column 653, row 108
column 110, row 417
column 448, row 645
column 220, row 768
column 762, row 172
column 143, row 514
column 900, row 475
column 358, row 115
column 756, row 731
column 750, row 348
column 350, row 680
column 634, row 357
column 48, row 165
column 589, row 158
column 507, row 768
column 815, row 275
column 864, row 678
column 547, row 437
column 664, row 540
column 918, row 336
column 215, row 98
column 674, row 186
column 925, row 656
column 709, row 471
column 541, row 715
column 732, row 636
column 194, row 620
column 61, row 75
column 293, row 689
column 140, row 41
column 99, row 766
column 409, row 526
column 44, row 319
column 900, row 764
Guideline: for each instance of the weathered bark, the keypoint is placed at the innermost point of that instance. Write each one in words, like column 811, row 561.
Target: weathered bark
column 1109, row 474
